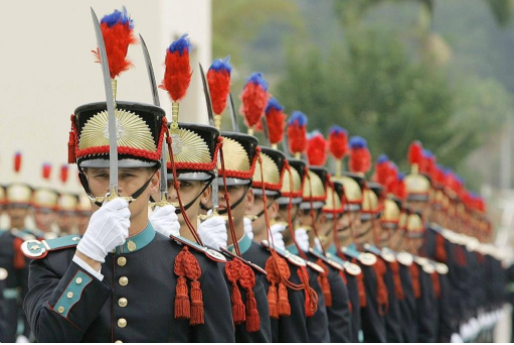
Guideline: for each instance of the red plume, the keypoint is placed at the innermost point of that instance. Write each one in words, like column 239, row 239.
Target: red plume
column 47, row 170
column 64, row 173
column 383, row 171
column 317, row 150
column 360, row 157
column 17, row 162
column 218, row 78
column 254, row 99
column 117, row 30
column 297, row 132
column 178, row 72
column 416, row 153
column 338, row 142
column 276, row 120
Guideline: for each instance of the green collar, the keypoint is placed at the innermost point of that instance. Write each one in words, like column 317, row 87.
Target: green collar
column 332, row 249
column 137, row 242
column 292, row 249
column 244, row 244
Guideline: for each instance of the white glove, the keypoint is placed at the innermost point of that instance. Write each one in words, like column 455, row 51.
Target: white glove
column 22, row 339
column 278, row 238
column 456, row 338
column 165, row 221
column 213, row 232
column 248, row 227
column 107, row 229
column 317, row 245
column 302, row 239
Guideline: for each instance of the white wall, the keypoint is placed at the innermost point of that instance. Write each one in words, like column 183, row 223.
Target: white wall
column 47, row 70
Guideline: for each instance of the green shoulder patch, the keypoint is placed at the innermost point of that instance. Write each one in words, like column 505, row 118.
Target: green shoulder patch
column 35, row 249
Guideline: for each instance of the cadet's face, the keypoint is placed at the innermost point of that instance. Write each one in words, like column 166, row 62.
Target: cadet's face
column 363, row 231
column 259, row 224
column 236, row 193
column 282, row 216
column 343, row 228
column 421, row 206
column 17, row 214
column 44, row 219
column 129, row 181
column 189, row 190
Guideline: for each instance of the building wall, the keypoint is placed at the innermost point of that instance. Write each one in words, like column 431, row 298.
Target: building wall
column 47, row 70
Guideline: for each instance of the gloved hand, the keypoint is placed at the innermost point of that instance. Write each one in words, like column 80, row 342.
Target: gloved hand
column 165, row 221
column 302, row 239
column 278, row 238
column 248, row 227
column 22, row 339
column 456, row 338
column 317, row 245
column 213, row 232
column 107, row 229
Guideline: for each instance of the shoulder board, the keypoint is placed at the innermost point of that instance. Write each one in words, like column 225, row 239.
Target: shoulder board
column 441, row 268
column 384, row 254
column 472, row 244
column 367, row 259
column 231, row 255
column 294, row 259
column 35, row 249
column 50, row 236
column 420, row 261
column 22, row 235
column 349, row 267
column 37, row 233
column 327, row 260
column 388, row 255
column 315, row 266
column 405, row 258
column 428, row 268
column 353, row 253
column 210, row 253
column 371, row 249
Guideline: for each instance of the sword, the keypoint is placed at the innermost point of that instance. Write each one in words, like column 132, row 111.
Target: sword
column 156, row 102
column 214, row 184
column 110, row 89
column 285, row 146
column 235, row 124
column 265, row 130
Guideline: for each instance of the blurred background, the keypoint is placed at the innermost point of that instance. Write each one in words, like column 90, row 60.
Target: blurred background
column 391, row 71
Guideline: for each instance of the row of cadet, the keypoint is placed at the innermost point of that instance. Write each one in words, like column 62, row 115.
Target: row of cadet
column 248, row 243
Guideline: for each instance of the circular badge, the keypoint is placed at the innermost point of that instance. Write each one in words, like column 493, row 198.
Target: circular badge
column 352, row 269
column 421, row 261
column 405, row 258
column 428, row 268
column 441, row 268
column 472, row 244
column 215, row 255
column 298, row 261
column 33, row 249
column 3, row 273
column 388, row 256
column 367, row 259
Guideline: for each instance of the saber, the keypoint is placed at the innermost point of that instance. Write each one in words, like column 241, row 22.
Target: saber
column 214, row 183
column 265, row 130
column 110, row 91
column 156, row 102
column 285, row 147
column 235, row 124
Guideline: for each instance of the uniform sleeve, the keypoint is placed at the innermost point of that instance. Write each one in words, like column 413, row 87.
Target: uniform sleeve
column 317, row 325
column 427, row 323
column 373, row 324
column 60, row 308
column 393, row 318
column 218, row 324
column 339, row 319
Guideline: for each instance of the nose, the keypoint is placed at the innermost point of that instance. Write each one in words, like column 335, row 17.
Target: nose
column 172, row 194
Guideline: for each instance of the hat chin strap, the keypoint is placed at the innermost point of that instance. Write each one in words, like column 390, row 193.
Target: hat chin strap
column 135, row 195
column 234, row 205
column 178, row 210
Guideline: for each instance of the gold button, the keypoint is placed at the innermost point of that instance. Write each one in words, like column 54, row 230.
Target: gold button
column 118, row 342
column 122, row 323
column 78, row 281
column 123, row 281
column 60, row 310
column 122, row 302
column 69, row 294
column 122, row 261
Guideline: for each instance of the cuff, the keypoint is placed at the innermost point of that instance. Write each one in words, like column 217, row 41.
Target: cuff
column 84, row 265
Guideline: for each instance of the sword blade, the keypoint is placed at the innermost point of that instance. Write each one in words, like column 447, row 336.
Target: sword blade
column 285, row 146
column 214, row 184
column 156, row 102
column 233, row 116
column 113, row 144
column 265, row 130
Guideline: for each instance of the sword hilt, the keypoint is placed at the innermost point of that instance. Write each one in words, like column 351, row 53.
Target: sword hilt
column 111, row 196
column 164, row 202
column 174, row 115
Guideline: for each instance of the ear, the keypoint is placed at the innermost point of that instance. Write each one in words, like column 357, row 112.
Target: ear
column 250, row 198
column 273, row 210
column 322, row 218
column 155, row 183
column 206, row 195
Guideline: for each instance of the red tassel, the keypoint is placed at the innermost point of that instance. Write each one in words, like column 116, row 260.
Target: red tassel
column 284, row 308
column 71, row 148
column 416, row 153
column 193, row 272
column 232, row 270
column 178, row 71
column 311, row 297
column 317, row 150
column 324, row 283
column 182, row 305
column 19, row 258
column 382, row 297
column 278, row 271
column 362, row 289
column 460, row 256
column 414, row 271
column 440, row 251
column 247, row 281
column 397, row 280
column 273, row 300
column 17, row 162
column 436, row 284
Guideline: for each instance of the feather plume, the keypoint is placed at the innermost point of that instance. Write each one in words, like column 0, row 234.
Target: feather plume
column 360, row 157
column 297, row 132
column 178, row 71
column 338, row 142
column 46, row 171
column 254, row 99
column 276, row 120
column 117, row 30
column 17, row 162
column 218, row 78
column 393, row 183
column 415, row 153
column 382, row 170
column 401, row 192
column 64, row 173
column 317, row 150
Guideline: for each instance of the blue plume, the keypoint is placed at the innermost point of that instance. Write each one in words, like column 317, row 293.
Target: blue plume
column 297, row 117
column 118, row 17
column 180, row 44
column 257, row 78
column 273, row 104
column 382, row 159
column 221, row 65
column 358, row 143
column 338, row 130
column 427, row 153
column 401, row 176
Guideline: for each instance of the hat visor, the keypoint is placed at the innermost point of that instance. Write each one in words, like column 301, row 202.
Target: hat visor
column 191, row 176
column 122, row 163
column 306, row 205
column 231, row 181
column 285, row 200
